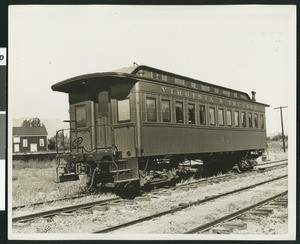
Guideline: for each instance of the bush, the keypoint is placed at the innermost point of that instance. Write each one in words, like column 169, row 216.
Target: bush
column 277, row 137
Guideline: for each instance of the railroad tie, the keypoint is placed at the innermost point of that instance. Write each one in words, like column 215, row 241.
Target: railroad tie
column 260, row 212
column 141, row 198
column 269, row 210
column 236, row 225
column 222, row 230
column 283, row 204
column 249, row 218
column 104, row 207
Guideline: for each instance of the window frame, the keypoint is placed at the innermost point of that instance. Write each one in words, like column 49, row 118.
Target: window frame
column 205, row 113
column 255, row 124
column 188, row 114
column 221, row 109
column 170, row 109
column 244, row 125
column 41, row 140
column 229, row 110
column 262, row 121
column 183, row 116
column 24, row 142
column 155, row 108
column 129, row 112
column 209, row 116
column 250, row 125
column 78, row 125
column 238, row 118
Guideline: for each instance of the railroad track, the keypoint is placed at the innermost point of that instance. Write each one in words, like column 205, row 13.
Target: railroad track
column 65, row 210
column 50, row 201
column 227, row 220
column 69, row 209
column 274, row 164
column 73, row 208
column 183, row 206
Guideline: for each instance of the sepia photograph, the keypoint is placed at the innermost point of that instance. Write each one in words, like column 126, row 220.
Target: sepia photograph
column 161, row 122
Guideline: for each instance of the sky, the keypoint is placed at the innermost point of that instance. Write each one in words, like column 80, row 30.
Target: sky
column 247, row 48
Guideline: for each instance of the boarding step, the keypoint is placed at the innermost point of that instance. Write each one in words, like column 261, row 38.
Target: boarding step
column 121, row 164
column 120, row 171
column 68, row 177
column 127, row 180
column 125, row 175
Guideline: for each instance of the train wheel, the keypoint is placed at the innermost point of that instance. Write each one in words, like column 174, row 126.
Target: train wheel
column 242, row 166
column 128, row 190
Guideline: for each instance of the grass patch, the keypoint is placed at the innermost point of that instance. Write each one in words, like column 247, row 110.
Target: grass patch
column 33, row 164
column 35, row 181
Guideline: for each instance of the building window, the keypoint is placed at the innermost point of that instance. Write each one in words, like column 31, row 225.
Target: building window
column 123, row 110
column 16, row 139
column 151, row 109
column 212, row 120
column 244, row 119
column 250, row 119
column 202, row 112
column 236, row 118
column 80, row 113
column 229, row 117
column 42, row 142
column 25, row 143
column 179, row 112
column 262, row 122
column 221, row 116
column 191, row 113
column 16, row 148
column 166, row 111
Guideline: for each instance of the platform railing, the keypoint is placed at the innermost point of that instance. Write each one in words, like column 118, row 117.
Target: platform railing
column 75, row 144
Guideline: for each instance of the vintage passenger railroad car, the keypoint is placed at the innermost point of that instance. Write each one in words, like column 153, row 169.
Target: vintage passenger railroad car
column 132, row 127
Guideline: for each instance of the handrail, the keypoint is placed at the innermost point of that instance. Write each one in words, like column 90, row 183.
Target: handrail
column 85, row 129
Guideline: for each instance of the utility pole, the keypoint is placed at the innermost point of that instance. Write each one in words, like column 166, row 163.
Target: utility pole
column 283, row 139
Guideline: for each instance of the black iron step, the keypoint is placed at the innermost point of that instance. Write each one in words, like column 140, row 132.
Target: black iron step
column 120, row 171
column 127, row 180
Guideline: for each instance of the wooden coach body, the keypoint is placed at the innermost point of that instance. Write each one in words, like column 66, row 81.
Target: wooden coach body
column 144, row 112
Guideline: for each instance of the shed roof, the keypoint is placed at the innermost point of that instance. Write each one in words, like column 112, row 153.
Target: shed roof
column 29, row 131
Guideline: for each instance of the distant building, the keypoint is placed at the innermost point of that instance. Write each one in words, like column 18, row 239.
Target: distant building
column 29, row 139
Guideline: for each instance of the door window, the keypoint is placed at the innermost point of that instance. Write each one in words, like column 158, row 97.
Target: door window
column 123, row 110
column 80, row 115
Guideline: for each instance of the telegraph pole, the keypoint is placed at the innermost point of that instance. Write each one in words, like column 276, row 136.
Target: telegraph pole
column 283, row 139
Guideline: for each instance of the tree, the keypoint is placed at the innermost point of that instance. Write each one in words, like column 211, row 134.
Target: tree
column 33, row 122
column 63, row 142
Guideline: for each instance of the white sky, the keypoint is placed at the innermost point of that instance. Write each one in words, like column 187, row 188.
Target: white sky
column 241, row 47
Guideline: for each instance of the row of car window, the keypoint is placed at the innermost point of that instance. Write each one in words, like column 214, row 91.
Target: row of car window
column 201, row 114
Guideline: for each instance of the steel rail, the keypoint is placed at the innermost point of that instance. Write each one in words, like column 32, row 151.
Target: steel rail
column 234, row 215
column 183, row 206
column 61, row 210
column 49, row 201
column 273, row 166
column 273, row 162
